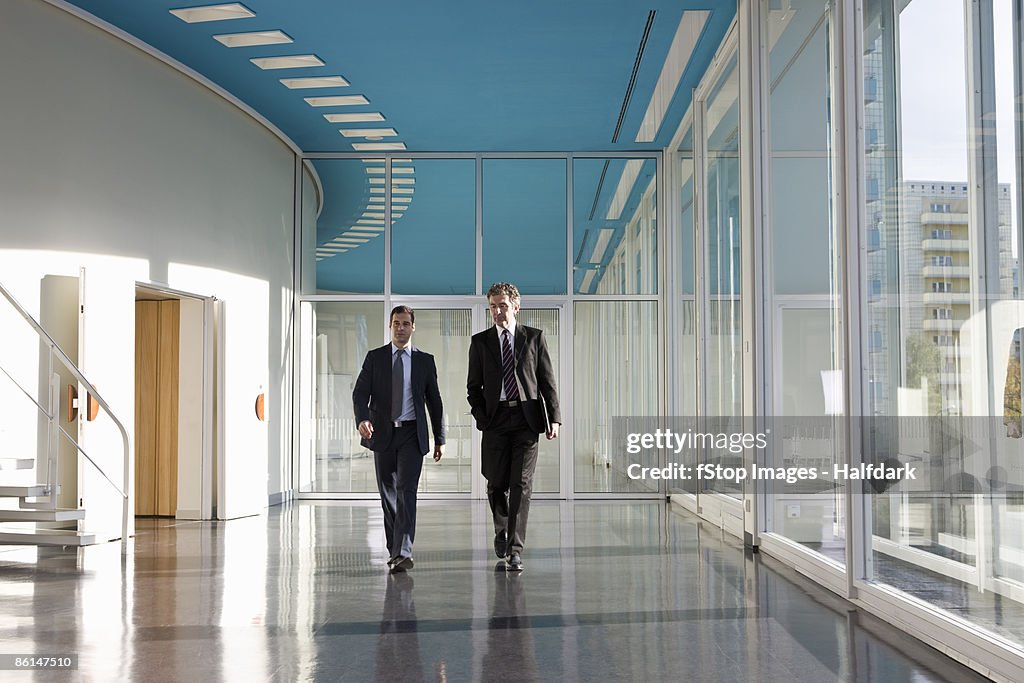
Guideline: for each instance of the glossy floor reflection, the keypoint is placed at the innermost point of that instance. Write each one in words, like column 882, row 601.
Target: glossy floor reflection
column 611, row 591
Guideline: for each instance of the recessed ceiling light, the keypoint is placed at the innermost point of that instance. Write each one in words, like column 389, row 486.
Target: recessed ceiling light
column 378, row 200
column 367, row 132
column 253, row 39
column 364, row 117
column 337, row 101
column 195, row 15
column 404, row 200
column 369, row 224
column 314, row 82
column 287, row 62
column 353, row 241
column 394, row 190
column 373, row 214
column 403, row 181
column 375, row 170
column 354, row 233
column 403, row 169
column 377, row 146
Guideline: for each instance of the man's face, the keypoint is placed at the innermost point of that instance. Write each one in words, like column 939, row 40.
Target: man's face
column 503, row 310
column 402, row 328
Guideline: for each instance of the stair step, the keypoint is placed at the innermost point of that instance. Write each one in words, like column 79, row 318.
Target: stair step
column 42, row 515
column 17, row 463
column 22, row 491
column 15, row 536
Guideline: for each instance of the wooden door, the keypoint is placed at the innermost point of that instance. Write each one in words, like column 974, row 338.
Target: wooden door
column 156, row 407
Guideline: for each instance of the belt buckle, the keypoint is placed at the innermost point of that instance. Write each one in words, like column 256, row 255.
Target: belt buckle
column 513, row 404
column 397, row 423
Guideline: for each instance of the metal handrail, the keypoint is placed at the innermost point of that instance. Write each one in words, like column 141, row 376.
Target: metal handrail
column 56, row 351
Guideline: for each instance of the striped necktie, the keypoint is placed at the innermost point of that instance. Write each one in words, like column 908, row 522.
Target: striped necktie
column 508, row 368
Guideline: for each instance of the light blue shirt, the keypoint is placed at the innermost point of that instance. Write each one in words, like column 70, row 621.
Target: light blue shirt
column 408, row 409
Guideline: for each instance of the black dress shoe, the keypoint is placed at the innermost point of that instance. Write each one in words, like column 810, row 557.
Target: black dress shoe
column 401, row 564
column 500, row 544
column 514, row 563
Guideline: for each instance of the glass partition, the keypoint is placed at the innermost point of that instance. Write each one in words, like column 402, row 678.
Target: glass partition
column 804, row 325
column 433, row 246
column 524, row 224
column 349, row 243
column 942, row 307
column 723, row 335
column 615, row 226
column 616, row 373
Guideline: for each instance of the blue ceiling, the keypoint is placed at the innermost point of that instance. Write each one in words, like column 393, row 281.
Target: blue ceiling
column 454, row 75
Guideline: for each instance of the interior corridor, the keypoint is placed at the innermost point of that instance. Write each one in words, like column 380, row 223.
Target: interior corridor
column 611, row 591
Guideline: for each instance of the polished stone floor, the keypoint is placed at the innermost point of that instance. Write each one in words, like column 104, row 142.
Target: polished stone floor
column 612, row 591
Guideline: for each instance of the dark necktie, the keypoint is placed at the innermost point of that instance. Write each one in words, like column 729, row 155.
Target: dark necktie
column 508, row 368
column 397, row 385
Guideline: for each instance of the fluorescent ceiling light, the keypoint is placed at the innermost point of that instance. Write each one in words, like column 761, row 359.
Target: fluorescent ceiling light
column 587, row 279
column 252, row 39
column 337, row 101
column 367, row 224
column 364, row 117
column 314, row 82
column 354, row 233
column 379, row 200
column 368, row 132
column 375, row 170
column 373, row 214
column 287, row 62
column 333, row 250
column 687, row 34
column 394, row 190
column 602, row 245
column 624, row 188
column 196, row 15
column 403, row 169
column 405, row 200
column 377, row 146
column 394, row 182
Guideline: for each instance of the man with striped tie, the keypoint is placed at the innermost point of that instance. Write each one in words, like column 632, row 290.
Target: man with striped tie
column 512, row 395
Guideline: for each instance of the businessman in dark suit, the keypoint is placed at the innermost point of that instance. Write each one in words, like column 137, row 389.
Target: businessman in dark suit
column 512, row 395
column 395, row 388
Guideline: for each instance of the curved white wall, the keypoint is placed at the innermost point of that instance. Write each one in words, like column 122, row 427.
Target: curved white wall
column 111, row 160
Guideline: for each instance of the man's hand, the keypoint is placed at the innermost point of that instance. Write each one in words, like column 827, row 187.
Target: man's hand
column 438, row 451
column 1013, row 430
column 365, row 429
column 553, row 431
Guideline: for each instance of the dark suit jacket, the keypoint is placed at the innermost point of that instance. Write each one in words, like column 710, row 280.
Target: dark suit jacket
column 371, row 398
column 533, row 367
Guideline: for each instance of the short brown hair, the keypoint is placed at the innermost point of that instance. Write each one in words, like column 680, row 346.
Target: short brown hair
column 402, row 309
column 506, row 288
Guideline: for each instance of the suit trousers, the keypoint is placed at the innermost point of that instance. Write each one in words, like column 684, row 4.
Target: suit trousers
column 398, row 476
column 509, row 449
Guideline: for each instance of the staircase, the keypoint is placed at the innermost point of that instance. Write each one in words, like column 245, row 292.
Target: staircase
column 37, row 519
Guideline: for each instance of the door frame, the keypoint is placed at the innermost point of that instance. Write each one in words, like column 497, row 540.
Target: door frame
column 210, row 428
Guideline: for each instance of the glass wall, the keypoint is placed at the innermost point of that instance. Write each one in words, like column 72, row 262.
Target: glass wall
column 722, row 264
column 615, row 226
column 942, row 305
column 802, row 282
column 615, row 375
column 524, row 224
column 686, row 330
column 349, row 242
column 433, row 241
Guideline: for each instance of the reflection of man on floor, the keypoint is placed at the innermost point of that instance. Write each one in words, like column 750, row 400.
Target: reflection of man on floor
column 510, row 654
column 398, row 645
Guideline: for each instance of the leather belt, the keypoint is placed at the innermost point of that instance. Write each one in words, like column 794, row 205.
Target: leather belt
column 404, row 423
column 509, row 404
